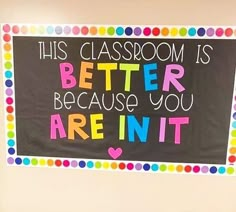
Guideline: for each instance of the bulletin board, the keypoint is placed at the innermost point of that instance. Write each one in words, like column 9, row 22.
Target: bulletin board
column 157, row 99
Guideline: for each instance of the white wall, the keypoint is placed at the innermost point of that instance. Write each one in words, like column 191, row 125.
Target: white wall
column 61, row 190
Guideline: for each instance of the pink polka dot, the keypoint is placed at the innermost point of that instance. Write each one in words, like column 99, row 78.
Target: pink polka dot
column 9, row 100
column 130, row 166
column 196, row 169
column 15, row 29
column 84, row 30
column 219, row 32
column 147, row 31
column 66, row 163
column 75, row 30
column 6, row 28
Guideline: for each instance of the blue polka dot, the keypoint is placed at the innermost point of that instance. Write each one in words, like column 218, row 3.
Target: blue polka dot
column 8, row 83
column 234, row 116
column 82, row 164
column 128, row 31
column 50, row 29
column 26, row 161
column 213, row 169
column 221, row 170
column 201, row 31
column 234, row 124
column 8, row 74
column 11, row 142
column 146, row 166
column 90, row 164
column 154, row 167
column 119, row 31
column 58, row 30
column 18, row 161
column 192, row 31
column 11, row 151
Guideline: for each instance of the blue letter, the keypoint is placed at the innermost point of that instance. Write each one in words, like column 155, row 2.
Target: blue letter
column 134, row 126
column 149, row 77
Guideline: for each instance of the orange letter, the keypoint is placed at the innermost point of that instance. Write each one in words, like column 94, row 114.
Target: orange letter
column 84, row 74
column 76, row 126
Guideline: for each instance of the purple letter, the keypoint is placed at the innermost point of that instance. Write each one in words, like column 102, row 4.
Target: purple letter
column 171, row 77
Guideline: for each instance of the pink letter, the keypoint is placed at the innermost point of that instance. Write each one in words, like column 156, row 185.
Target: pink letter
column 177, row 121
column 171, row 77
column 162, row 132
column 67, row 80
column 56, row 124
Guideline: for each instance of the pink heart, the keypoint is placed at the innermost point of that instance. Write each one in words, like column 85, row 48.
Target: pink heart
column 114, row 153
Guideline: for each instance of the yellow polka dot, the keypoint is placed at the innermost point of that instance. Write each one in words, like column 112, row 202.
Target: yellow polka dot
column 105, row 165
column 171, row 168
column 102, row 31
column 33, row 29
column 42, row 162
column 10, row 126
column 233, row 142
column 7, row 56
column 174, row 31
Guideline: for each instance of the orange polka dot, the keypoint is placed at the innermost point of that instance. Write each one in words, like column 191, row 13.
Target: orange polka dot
column 7, row 47
column 165, row 31
column 179, row 168
column 10, row 117
column 93, row 30
column 232, row 150
column 50, row 162
column 114, row 165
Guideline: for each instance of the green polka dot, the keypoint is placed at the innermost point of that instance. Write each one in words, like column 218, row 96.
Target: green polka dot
column 183, row 31
column 233, row 133
column 230, row 170
column 111, row 31
column 10, row 134
column 8, row 65
column 98, row 165
column 163, row 167
column 34, row 162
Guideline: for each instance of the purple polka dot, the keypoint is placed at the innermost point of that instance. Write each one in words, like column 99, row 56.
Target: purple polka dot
column 9, row 92
column 138, row 166
column 74, row 163
column 234, row 107
column 204, row 169
column 67, row 30
column 10, row 160
column 137, row 31
column 210, row 32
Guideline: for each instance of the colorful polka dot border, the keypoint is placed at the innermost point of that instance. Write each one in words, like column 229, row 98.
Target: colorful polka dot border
column 9, row 30
column 126, row 31
column 120, row 165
